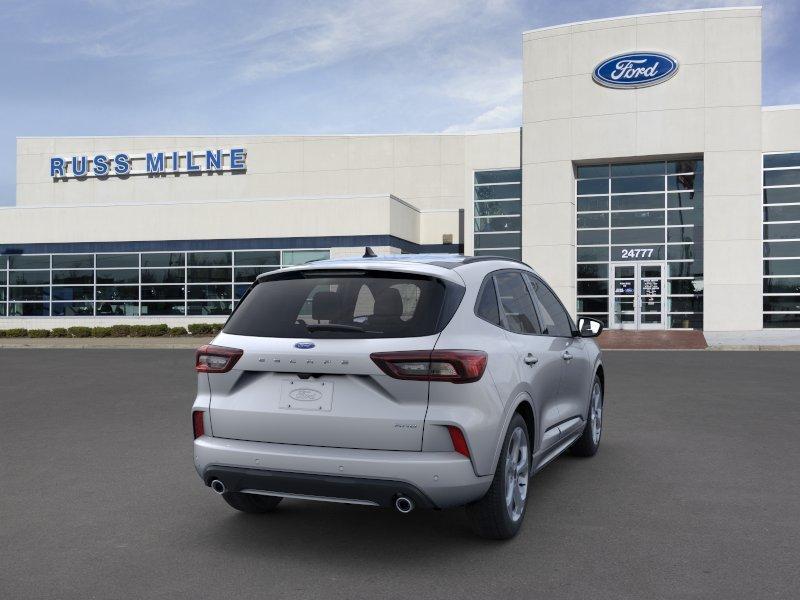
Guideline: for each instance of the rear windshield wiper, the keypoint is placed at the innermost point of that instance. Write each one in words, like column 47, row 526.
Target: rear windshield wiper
column 337, row 327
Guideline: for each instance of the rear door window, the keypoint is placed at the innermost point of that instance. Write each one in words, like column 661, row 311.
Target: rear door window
column 365, row 304
column 486, row 307
column 516, row 306
column 555, row 320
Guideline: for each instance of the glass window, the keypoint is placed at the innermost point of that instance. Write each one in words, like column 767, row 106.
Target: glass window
column 651, row 168
column 680, row 234
column 782, row 267
column 593, row 305
column 29, row 293
column 592, row 271
column 782, row 285
column 596, row 203
column 639, row 252
column 163, row 259
column 117, row 275
column 592, row 186
column 684, row 182
column 209, row 275
column 249, row 274
column 684, row 166
column 497, row 240
column 637, row 184
column 73, row 277
column 516, row 305
column 209, row 259
column 496, row 192
column 209, row 292
column 2, row 277
column 637, row 202
column 163, row 308
column 694, row 304
column 680, row 252
column 555, row 320
column 117, row 292
column 586, row 171
column 782, row 249
column 72, row 309
column 681, row 269
column 113, row 261
column 373, row 305
column 162, row 292
column 28, row 309
column 239, row 290
column 782, row 213
column 499, row 207
column 73, row 292
column 258, row 257
column 782, row 320
column 301, row 257
column 685, row 286
column 498, row 176
column 73, row 261
column 782, row 195
column 637, row 236
column 593, row 288
column 592, row 254
column 592, row 236
column 787, row 177
column 782, row 231
column 26, row 261
column 209, row 308
column 685, row 200
column 513, row 253
column 684, row 217
column 686, row 321
column 498, row 224
column 163, row 276
column 118, row 309
column 789, row 159
column 486, row 307
column 637, row 219
column 782, row 303
column 29, row 277
column 586, row 221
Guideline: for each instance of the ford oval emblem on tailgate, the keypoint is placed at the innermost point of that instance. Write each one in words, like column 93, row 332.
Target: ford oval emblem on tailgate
column 304, row 345
column 305, row 395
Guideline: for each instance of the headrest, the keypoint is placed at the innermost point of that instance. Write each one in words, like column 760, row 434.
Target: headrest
column 388, row 303
column 325, row 306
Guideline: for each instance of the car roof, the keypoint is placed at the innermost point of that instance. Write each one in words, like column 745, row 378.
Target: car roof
column 447, row 261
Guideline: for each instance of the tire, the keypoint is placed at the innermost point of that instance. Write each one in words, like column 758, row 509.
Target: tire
column 251, row 503
column 589, row 442
column 499, row 514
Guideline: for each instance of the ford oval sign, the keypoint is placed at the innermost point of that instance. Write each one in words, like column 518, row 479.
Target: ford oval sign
column 304, row 345
column 635, row 70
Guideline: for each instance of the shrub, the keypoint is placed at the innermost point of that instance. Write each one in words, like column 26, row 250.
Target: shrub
column 201, row 329
column 16, row 332
column 217, row 327
column 177, row 331
column 157, row 330
column 101, row 332
column 120, row 330
column 38, row 333
column 59, row 332
column 138, row 330
column 2, row 333
column 80, row 332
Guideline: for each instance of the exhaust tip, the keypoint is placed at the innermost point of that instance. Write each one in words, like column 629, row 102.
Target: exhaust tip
column 404, row 505
column 218, row 486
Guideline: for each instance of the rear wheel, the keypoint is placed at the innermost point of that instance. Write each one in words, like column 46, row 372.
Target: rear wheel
column 589, row 442
column 499, row 514
column 251, row 503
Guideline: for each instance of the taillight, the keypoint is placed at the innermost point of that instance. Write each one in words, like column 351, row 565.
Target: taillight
column 216, row 359
column 459, row 442
column 197, row 423
column 456, row 366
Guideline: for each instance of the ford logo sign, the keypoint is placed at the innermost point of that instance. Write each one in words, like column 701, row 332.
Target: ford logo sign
column 304, row 345
column 635, row 70
column 305, row 395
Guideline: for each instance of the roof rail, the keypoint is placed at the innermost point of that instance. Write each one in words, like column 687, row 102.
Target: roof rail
column 472, row 259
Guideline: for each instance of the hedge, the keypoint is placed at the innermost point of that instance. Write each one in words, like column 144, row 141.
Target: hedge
column 160, row 330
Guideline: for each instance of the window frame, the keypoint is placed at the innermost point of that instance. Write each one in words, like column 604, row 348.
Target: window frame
column 532, row 292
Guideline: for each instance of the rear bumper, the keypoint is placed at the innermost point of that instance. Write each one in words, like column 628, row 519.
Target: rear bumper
column 432, row 479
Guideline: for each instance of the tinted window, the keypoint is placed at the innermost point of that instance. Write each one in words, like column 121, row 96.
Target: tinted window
column 357, row 305
column 555, row 320
column 515, row 303
column 486, row 308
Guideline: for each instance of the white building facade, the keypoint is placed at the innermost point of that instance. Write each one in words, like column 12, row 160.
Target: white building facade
column 654, row 192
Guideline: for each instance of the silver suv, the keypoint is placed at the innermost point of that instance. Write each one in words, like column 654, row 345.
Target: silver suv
column 407, row 381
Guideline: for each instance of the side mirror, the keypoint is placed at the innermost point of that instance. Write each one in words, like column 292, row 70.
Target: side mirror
column 588, row 327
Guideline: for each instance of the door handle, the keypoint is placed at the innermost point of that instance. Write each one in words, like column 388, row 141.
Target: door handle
column 530, row 359
column 566, row 355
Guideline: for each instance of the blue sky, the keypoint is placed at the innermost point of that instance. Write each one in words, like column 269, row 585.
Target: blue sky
column 105, row 67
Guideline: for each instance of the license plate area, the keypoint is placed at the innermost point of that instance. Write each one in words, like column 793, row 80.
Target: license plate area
column 302, row 394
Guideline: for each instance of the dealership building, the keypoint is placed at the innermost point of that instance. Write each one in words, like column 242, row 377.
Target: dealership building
column 647, row 184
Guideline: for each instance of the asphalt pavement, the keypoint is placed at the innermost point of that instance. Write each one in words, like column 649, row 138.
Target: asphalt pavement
column 695, row 493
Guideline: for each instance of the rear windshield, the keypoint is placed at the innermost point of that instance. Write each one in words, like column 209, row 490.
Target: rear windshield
column 361, row 304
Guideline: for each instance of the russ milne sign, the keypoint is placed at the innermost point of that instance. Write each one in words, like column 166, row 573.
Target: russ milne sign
column 150, row 163
column 635, row 70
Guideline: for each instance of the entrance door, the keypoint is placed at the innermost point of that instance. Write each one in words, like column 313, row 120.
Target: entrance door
column 637, row 295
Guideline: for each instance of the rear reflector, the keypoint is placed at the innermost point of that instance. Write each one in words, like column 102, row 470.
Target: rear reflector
column 216, row 359
column 459, row 443
column 455, row 366
column 197, row 423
